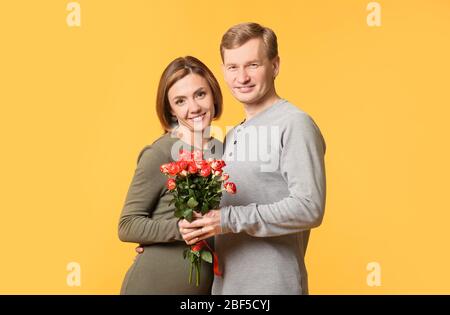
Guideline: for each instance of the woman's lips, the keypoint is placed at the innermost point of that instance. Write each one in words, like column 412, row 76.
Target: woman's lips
column 198, row 118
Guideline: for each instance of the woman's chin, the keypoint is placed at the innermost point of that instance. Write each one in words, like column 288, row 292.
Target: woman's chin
column 199, row 127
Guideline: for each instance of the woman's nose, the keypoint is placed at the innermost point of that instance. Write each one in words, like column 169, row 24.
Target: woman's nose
column 194, row 107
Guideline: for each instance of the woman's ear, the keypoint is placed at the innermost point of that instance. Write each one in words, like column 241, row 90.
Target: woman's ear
column 173, row 117
column 171, row 111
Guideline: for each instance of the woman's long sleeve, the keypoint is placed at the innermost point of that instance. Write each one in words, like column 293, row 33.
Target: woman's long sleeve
column 147, row 187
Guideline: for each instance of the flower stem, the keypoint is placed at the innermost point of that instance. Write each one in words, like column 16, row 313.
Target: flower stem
column 198, row 272
column 190, row 273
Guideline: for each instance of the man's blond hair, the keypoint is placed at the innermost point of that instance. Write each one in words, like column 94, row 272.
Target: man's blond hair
column 239, row 34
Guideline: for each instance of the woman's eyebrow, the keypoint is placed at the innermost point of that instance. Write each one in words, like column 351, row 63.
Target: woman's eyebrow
column 199, row 89
column 195, row 92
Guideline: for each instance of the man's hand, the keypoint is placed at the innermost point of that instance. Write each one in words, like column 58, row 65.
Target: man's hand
column 203, row 227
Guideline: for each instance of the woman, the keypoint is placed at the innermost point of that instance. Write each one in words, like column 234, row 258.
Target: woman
column 188, row 99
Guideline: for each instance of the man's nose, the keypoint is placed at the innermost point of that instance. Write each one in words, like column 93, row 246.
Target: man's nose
column 243, row 76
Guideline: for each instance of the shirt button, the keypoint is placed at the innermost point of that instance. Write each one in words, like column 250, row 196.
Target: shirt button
column 231, row 153
column 235, row 141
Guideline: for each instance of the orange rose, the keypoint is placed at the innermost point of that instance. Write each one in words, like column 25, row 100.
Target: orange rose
column 171, row 184
column 230, row 187
column 198, row 246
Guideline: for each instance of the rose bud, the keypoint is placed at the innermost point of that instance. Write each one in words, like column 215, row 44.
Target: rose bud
column 205, row 170
column 230, row 187
column 183, row 173
column 185, row 155
column 164, row 168
column 198, row 246
column 182, row 164
column 192, row 168
column 225, row 176
column 217, row 165
column 202, row 163
column 217, row 173
column 171, row 184
column 174, row 169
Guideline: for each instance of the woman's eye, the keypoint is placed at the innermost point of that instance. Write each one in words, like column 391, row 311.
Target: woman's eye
column 201, row 94
column 179, row 102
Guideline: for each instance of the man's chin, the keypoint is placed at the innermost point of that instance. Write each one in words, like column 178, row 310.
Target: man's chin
column 246, row 99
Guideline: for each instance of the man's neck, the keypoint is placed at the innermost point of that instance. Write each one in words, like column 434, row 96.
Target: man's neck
column 252, row 110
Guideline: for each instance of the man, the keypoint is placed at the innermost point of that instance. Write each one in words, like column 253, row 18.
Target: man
column 276, row 159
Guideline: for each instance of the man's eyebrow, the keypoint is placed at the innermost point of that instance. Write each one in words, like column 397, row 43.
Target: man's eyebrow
column 246, row 63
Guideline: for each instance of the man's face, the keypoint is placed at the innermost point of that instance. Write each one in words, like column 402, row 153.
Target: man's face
column 249, row 73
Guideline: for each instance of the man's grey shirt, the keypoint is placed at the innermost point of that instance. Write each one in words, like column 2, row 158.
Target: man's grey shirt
column 276, row 160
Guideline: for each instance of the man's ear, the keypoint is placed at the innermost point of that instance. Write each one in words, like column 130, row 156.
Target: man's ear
column 276, row 66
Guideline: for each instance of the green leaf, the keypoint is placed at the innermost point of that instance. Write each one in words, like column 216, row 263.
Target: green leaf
column 192, row 203
column 179, row 213
column 206, row 256
column 187, row 214
column 205, row 207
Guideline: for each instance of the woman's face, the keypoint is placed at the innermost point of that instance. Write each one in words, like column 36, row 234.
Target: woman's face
column 191, row 101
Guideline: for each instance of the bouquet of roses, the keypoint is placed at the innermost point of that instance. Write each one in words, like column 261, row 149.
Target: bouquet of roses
column 196, row 185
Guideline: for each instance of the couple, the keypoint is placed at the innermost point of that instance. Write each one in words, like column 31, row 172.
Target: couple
column 261, row 233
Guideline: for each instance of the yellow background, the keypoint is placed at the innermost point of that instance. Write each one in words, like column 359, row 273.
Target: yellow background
column 77, row 105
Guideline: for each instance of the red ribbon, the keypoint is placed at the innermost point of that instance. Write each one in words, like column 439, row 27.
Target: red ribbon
column 216, row 259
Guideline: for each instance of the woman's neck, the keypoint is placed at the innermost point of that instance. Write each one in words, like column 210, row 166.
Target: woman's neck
column 197, row 139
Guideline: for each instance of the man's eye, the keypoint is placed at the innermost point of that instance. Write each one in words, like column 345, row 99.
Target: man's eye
column 232, row 68
column 254, row 65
